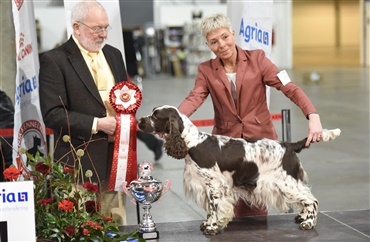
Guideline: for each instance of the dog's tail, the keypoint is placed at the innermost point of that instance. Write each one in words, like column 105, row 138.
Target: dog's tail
column 330, row 134
column 327, row 135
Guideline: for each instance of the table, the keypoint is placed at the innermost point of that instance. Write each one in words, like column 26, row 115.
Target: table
column 346, row 226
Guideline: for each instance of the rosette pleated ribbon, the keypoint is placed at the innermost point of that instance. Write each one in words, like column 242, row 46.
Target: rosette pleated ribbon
column 125, row 98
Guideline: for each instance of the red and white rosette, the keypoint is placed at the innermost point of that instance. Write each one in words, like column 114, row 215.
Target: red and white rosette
column 125, row 97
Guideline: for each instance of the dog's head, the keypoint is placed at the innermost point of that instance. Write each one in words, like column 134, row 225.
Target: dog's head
column 167, row 122
column 163, row 120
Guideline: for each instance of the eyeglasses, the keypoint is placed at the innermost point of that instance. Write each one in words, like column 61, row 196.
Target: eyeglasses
column 98, row 30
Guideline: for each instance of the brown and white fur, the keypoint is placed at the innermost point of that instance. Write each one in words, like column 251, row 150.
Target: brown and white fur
column 219, row 170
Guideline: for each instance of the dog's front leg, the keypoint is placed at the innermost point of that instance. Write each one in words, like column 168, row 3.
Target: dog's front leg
column 203, row 225
column 307, row 219
column 210, row 227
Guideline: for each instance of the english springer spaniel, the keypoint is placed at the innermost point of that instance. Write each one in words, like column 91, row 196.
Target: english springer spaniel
column 219, row 170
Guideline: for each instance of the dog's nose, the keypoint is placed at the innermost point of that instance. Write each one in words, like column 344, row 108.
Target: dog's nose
column 142, row 120
column 141, row 123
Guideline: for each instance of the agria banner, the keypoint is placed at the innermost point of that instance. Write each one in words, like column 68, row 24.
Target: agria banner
column 29, row 128
column 252, row 23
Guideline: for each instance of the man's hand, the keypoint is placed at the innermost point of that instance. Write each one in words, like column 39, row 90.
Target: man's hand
column 107, row 125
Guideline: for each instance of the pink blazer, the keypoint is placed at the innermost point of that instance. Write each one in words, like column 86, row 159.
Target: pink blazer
column 251, row 117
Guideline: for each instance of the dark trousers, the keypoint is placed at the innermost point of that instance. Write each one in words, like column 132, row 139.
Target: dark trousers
column 149, row 139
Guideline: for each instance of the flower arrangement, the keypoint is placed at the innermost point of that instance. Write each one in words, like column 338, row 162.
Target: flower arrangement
column 65, row 209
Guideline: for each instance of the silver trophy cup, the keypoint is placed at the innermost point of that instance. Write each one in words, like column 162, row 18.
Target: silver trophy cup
column 146, row 190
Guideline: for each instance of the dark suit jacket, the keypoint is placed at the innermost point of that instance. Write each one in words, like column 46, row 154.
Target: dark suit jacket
column 70, row 100
column 251, row 118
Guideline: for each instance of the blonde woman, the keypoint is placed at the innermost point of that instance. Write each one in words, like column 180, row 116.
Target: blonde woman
column 236, row 81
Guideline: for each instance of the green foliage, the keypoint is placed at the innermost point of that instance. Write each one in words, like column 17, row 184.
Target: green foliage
column 66, row 210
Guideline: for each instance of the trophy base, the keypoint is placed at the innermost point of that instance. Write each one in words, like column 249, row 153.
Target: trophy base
column 149, row 235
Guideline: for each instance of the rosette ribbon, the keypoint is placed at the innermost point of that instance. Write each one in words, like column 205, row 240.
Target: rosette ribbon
column 125, row 97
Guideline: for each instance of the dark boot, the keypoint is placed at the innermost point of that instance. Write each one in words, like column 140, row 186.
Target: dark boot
column 152, row 142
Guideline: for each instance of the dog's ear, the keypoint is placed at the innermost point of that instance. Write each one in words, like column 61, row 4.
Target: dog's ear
column 174, row 124
column 175, row 145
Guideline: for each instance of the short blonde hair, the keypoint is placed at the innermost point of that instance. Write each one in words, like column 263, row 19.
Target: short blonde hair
column 214, row 21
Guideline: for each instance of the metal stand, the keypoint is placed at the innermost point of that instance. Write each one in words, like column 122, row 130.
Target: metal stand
column 286, row 128
column 137, row 204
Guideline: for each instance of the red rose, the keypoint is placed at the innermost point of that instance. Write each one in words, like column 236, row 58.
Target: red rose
column 92, row 206
column 45, row 201
column 42, row 168
column 70, row 231
column 11, row 173
column 90, row 187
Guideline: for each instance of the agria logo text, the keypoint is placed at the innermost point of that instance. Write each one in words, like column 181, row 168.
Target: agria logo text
column 254, row 33
column 12, row 197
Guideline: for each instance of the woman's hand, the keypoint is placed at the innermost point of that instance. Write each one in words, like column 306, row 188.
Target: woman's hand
column 314, row 129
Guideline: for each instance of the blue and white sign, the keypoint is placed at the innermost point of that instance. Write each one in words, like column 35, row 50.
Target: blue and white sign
column 252, row 22
column 17, row 211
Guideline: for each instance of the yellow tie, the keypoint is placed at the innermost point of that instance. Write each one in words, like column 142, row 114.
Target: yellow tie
column 98, row 73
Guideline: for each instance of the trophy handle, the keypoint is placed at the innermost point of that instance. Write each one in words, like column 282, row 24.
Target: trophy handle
column 127, row 192
column 165, row 189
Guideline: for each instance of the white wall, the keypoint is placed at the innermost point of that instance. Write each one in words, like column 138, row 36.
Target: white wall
column 179, row 14
column 282, row 50
column 53, row 26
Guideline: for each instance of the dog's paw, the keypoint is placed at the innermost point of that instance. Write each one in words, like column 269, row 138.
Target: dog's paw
column 308, row 224
column 203, row 226
column 298, row 219
column 211, row 230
